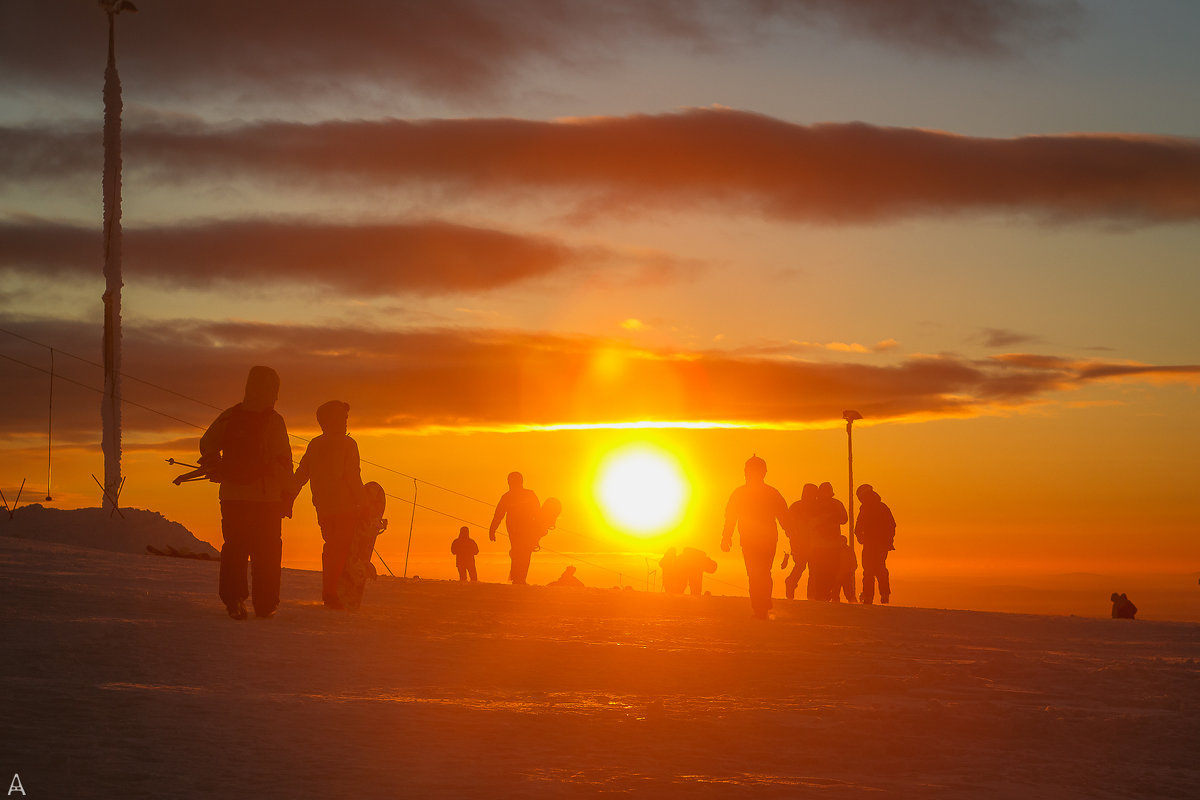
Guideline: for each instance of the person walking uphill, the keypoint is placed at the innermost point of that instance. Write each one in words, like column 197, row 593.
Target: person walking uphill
column 246, row 450
column 523, row 512
column 754, row 508
column 331, row 463
column 876, row 531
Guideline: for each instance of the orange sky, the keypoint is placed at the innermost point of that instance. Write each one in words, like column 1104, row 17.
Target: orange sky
column 978, row 230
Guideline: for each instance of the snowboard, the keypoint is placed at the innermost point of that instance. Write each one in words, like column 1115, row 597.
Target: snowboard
column 359, row 569
column 547, row 519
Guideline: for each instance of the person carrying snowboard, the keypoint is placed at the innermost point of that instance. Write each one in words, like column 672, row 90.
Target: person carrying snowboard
column 246, row 450
column 331, row 464
column 521, row 510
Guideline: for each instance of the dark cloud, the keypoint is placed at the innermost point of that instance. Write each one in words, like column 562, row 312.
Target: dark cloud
column 424, row 258
column 455, row 47
column 700, row 158
column 1002, row 337
column 456, row 378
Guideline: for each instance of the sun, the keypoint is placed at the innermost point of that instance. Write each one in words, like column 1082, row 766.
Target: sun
column 641, row 489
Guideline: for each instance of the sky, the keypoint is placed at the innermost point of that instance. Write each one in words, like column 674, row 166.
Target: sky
column 504, row 233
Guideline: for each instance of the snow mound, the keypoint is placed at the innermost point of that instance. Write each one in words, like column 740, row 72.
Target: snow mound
column 99, row 529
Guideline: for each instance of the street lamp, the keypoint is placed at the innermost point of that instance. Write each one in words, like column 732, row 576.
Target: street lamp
column 850, row 416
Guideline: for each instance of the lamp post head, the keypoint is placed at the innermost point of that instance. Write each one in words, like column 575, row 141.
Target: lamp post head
column 117, row 6
column 850, row 416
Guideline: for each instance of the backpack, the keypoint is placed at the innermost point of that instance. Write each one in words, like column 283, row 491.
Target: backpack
column 244, row 457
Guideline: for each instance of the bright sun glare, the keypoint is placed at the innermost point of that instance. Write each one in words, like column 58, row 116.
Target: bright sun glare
column 641, row 489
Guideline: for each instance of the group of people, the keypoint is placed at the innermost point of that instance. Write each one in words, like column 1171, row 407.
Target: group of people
column 247, row 450
column 813, row 528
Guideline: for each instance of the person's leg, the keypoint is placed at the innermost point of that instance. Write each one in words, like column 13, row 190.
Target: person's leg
column 870, row 569
column 338, row 532
column 471, row 571
column 235, row 552
column 759, row 559
column 799, row 561
column 847, row 587
column 884, row 578
column 266, row 556
column 520, row 564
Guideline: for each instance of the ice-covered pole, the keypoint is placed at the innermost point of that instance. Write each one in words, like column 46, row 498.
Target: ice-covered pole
column 110, row 408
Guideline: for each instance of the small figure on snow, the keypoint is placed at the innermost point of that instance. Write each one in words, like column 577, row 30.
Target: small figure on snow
column 1123, row 607
column 465, row 550
column 566, row 579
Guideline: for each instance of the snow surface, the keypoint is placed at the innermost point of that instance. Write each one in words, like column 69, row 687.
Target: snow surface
column 125, row 678
column 128, row 530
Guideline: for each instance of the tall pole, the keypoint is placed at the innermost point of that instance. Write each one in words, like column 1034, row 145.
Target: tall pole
column 850, row 416
column 110, row 406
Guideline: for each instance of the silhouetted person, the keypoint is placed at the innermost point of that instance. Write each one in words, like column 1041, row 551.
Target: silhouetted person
column 465, row 550
column 826, row 544
column 566, row 579
column 246, row 450
column 1123, row 607
column 799, row 531
column 673, row 579
column 685, row 571
column 331, row 465
column 520, row 509
column 754, row 508
column 875, row 529
column 693, row 564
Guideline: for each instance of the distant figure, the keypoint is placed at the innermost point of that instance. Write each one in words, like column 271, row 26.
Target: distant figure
column 685, row 571
column 331, row 463
column 246, row 450
column 754, row 508
column 826, row 545
column 465, row 550
column 520, row 509
column 799, row 532
column 566, row 579
column 1123, row 607
column 875, row 529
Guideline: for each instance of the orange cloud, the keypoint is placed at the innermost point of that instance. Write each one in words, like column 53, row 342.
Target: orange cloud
column 489, row 378
column 712, row 159
column 426, row 258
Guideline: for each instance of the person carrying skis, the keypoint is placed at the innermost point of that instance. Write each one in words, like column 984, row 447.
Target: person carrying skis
column 246, row 450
